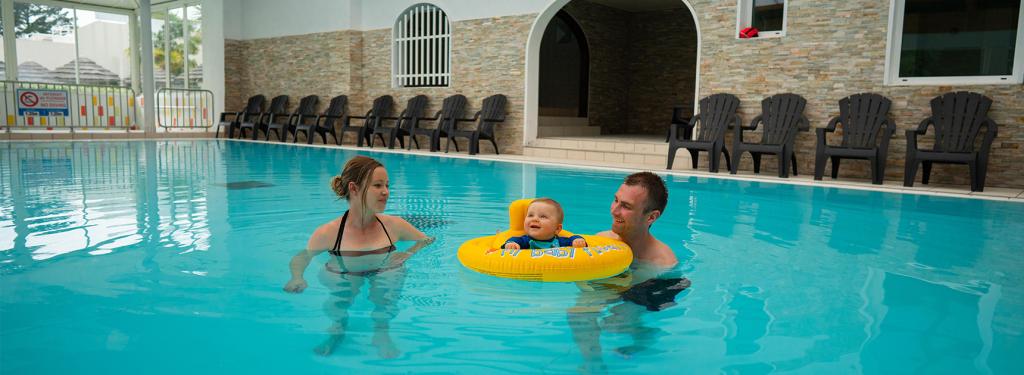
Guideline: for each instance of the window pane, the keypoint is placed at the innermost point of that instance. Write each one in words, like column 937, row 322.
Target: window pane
column 767, row 15
column 159, row 52
column 45, row 42
column 943, row 38
column 102, row 49
column 175, row 24
column 195, row 47
column 420, row 49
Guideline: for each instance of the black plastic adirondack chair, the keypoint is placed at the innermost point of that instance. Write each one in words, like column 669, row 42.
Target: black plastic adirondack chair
column 782, row 116
column 412, row 114
column 717, row 115
column 680, row 119
column 306, row 109
column 253, row 123
column 452, row 108
column 324, row 123
column 957, row 118
column 382, row 107
column 233, row 120
column 866, row 132
column 278, row 107
column 491, row 114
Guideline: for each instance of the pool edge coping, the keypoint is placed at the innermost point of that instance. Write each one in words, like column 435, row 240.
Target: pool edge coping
column 568, row 164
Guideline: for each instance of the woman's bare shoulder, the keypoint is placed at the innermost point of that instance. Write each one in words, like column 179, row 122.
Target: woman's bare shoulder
column 323, row 236
column 392, row 220
column 401, row 227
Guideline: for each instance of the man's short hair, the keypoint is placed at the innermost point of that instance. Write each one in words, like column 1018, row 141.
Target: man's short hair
column 657, row 194
column 558, row 207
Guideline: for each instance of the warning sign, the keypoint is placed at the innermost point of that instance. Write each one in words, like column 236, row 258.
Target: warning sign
column 42, row 102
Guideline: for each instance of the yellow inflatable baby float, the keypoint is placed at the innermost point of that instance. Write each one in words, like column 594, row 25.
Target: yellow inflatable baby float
column 603, row 257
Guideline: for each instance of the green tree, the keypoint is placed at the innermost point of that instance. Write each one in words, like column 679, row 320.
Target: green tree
column 38, row 19
column 176, row 27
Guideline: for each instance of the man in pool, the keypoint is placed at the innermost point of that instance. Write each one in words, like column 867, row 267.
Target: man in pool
column 638, row 203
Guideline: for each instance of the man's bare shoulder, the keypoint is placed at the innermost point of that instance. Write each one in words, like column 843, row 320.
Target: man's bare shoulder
column 664, row 256
column 609, row 234
column 658, row 255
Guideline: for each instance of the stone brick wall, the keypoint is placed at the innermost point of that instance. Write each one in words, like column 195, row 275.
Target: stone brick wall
column 835, row 48
column 324, row 64
column 488, row 57
column 233, row 71
column 662, row 68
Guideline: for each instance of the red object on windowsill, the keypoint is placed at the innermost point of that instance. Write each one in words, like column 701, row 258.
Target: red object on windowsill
column 748, row 32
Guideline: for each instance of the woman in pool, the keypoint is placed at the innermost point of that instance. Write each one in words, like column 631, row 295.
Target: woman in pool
column 361, row 243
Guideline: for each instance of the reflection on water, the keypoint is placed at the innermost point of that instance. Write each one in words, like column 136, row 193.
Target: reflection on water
column 915, row 319
column 96, row 198
column 126, row 252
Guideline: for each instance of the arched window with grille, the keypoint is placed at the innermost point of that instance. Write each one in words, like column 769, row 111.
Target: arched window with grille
column 421, row 53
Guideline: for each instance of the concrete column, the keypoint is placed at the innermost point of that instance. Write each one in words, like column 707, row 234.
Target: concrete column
column 10, row 40
column 146, row 54
column 133, row 51
column 213, row 51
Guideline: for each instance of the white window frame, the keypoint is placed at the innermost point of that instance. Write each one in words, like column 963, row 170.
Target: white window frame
column 744, row 14
column 894, row 40
column 166, row 8
column 426, row 70
column 11, row 56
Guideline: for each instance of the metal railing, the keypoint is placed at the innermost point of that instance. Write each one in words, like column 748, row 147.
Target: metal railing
column 49, row 106
column 184, row 108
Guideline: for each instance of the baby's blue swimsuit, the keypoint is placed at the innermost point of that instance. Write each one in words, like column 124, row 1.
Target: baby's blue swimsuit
column 526, row 242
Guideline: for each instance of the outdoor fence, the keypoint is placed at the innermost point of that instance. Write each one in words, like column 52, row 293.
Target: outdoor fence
column 49, row 106
column 184, row 108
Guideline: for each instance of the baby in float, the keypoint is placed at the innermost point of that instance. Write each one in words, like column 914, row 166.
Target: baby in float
column 537, row 248
column 542, row 224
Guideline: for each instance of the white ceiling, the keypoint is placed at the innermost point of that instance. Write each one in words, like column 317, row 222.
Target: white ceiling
column 641, row 5
column 120, row 4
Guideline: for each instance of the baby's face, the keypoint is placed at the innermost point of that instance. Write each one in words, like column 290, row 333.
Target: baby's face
column 542, row 221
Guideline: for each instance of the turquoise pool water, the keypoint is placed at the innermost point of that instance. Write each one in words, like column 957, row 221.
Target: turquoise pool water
column 169, row 257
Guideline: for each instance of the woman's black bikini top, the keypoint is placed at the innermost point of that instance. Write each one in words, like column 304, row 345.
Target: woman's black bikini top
column 336, row 250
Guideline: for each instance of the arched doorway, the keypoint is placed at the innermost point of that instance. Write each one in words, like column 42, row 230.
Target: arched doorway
column 564, row 69
column 601, row 93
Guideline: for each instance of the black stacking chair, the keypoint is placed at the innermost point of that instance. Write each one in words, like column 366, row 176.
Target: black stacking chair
column 717, row 115
column 278, row 107
column 234, row 120
column 451, row 108
column 491, row 114
column 864, row 119
column 782, row 116
column 382, row 107
column 305, row 110
column 957, row 118
column 323, row 123
column 405, row 121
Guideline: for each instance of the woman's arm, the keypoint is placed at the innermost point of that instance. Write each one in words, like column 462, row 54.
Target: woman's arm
column 407, row 232
column 316, row 245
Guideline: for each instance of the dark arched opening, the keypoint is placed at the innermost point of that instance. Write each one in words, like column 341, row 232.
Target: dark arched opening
column 564, row 69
